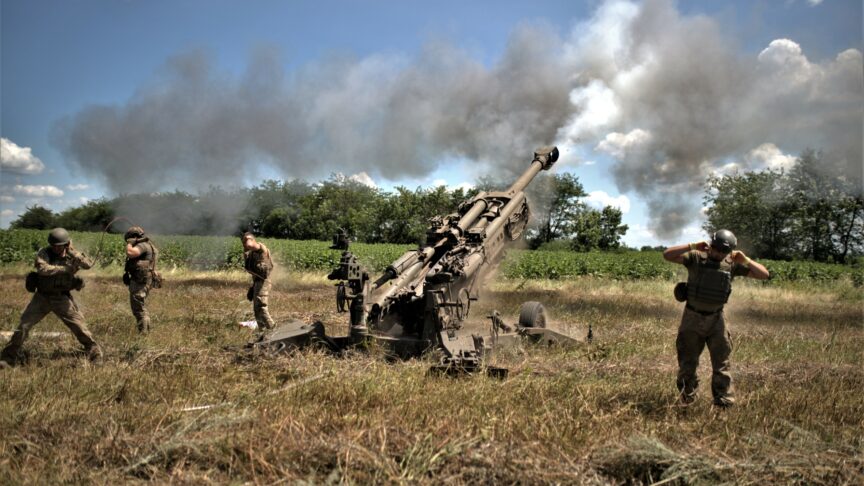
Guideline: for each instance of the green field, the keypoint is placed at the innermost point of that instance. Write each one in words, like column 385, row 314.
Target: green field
column 186, row 405
column 222, row 253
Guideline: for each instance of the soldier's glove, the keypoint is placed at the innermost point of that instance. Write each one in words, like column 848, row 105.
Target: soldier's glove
column 77, row 283
column 250, row 294
column 127, row 279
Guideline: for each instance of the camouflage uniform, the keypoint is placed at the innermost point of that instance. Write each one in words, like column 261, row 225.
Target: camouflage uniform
column 703, row 324
column 140, row 281
column 259, row 264
column 56, row 278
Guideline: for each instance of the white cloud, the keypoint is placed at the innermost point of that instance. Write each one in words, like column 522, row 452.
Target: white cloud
column 768, row 156
column 83, row 200
column 814, row 3
column 589, row 162
column 597, row 109
column 7, row 213
column 7, row 199
column 363, row 178
column 465, row 186
column 620, row 145
column 37, row 191
column 601, row 199
column 18, row 160
column 77, row 187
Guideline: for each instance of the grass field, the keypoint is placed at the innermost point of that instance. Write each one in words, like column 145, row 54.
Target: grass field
column 180, row 405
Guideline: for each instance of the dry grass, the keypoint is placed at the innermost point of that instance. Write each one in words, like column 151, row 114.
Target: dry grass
column 177, row 406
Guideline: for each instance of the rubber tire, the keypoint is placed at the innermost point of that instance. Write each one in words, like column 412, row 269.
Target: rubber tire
column 532, row 314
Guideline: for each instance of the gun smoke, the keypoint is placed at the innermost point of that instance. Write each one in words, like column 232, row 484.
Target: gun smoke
column 670, row 98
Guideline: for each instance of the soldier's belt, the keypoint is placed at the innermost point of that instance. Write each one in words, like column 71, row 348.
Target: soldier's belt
column 704, row 313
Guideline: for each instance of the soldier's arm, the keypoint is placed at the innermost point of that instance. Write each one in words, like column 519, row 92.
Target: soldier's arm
column 757, row 270
column 46, row 269
column 675, row 254
column 132, row 250
column 80, row 259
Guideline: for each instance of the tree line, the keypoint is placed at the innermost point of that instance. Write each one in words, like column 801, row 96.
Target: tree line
column 299, row 210
column 812, row 211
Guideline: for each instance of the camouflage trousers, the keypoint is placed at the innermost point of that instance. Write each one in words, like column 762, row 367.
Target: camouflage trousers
column 260, row 298
column 63, row 306
column 137, row 296
column 696, row 332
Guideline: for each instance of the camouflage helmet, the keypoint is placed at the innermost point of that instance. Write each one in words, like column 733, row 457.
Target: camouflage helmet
column 58, row 236
column 134, row 232
column 724, row 241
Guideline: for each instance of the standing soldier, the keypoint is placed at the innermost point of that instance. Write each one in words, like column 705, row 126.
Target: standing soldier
column 140, row 274
column 710, row 268
column 256, row 261
column 53, row 281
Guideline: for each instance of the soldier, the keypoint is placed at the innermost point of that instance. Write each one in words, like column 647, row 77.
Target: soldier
column 140, row 274
column 711, row 268
column 54, row 279
column 257, row 261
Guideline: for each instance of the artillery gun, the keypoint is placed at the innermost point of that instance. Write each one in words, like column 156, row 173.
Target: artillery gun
column 421, row 301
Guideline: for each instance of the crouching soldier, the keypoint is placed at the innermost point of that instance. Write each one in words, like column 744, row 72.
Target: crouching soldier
column 257, row 262
column 53, row 281
column 140, row 274
column 711, row 268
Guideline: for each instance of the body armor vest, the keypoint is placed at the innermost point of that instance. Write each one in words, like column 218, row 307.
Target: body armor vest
column 60, row 283
column 258, row 263
column 141, row 267
column 711, row 282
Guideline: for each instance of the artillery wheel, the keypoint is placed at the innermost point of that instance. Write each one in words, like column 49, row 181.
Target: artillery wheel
column 532, row 314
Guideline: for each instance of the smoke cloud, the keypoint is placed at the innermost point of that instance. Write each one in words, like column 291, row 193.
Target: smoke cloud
column 668, row 97
column 672, row 100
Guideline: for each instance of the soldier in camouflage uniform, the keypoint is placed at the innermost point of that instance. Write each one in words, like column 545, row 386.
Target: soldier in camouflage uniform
column 54, row 280
column 711, row 268
column 139, row 274
column 257, row 262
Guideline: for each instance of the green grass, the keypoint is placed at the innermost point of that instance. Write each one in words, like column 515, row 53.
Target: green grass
column 220, row 253
column 598, row 414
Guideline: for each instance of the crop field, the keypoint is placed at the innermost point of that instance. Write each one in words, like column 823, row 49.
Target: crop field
column 185, row 404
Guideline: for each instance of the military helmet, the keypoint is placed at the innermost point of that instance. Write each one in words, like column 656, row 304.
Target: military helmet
column 724, row 241
column 134, row 232
column 58, row 236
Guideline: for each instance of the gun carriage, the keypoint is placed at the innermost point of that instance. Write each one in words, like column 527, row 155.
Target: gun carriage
column 421, row 301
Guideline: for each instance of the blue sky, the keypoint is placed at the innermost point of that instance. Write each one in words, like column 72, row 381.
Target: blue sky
column 62, row 58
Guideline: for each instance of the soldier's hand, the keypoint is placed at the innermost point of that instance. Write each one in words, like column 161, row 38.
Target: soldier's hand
column 131, row 241
column 739, row 257
column 702, row 245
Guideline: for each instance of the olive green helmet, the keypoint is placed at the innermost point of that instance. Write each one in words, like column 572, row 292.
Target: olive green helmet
column 134, row 232
column 58, row 236
column 724, row 241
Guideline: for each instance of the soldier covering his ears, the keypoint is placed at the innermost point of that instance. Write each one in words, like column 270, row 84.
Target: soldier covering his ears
column 711, row 268
column 140, row 274
column 52, row 282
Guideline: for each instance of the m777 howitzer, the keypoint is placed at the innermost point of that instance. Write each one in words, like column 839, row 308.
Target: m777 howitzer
column 421, row 301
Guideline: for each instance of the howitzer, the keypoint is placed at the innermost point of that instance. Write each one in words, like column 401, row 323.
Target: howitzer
column 421, row 301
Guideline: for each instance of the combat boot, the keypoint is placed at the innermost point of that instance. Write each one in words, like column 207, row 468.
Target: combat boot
column 9, row 358
column 93, row 352
column 724, row 402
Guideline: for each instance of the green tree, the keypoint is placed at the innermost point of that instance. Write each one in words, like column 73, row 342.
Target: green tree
column 92, row 216
column 611, row 229
column 557, row 206
column 756, row 206
column 35, row 217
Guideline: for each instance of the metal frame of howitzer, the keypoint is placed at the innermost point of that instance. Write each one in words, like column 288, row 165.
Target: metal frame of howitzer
column 431, row 289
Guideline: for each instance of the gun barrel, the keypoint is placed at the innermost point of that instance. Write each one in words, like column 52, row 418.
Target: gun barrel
column 544, row 158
